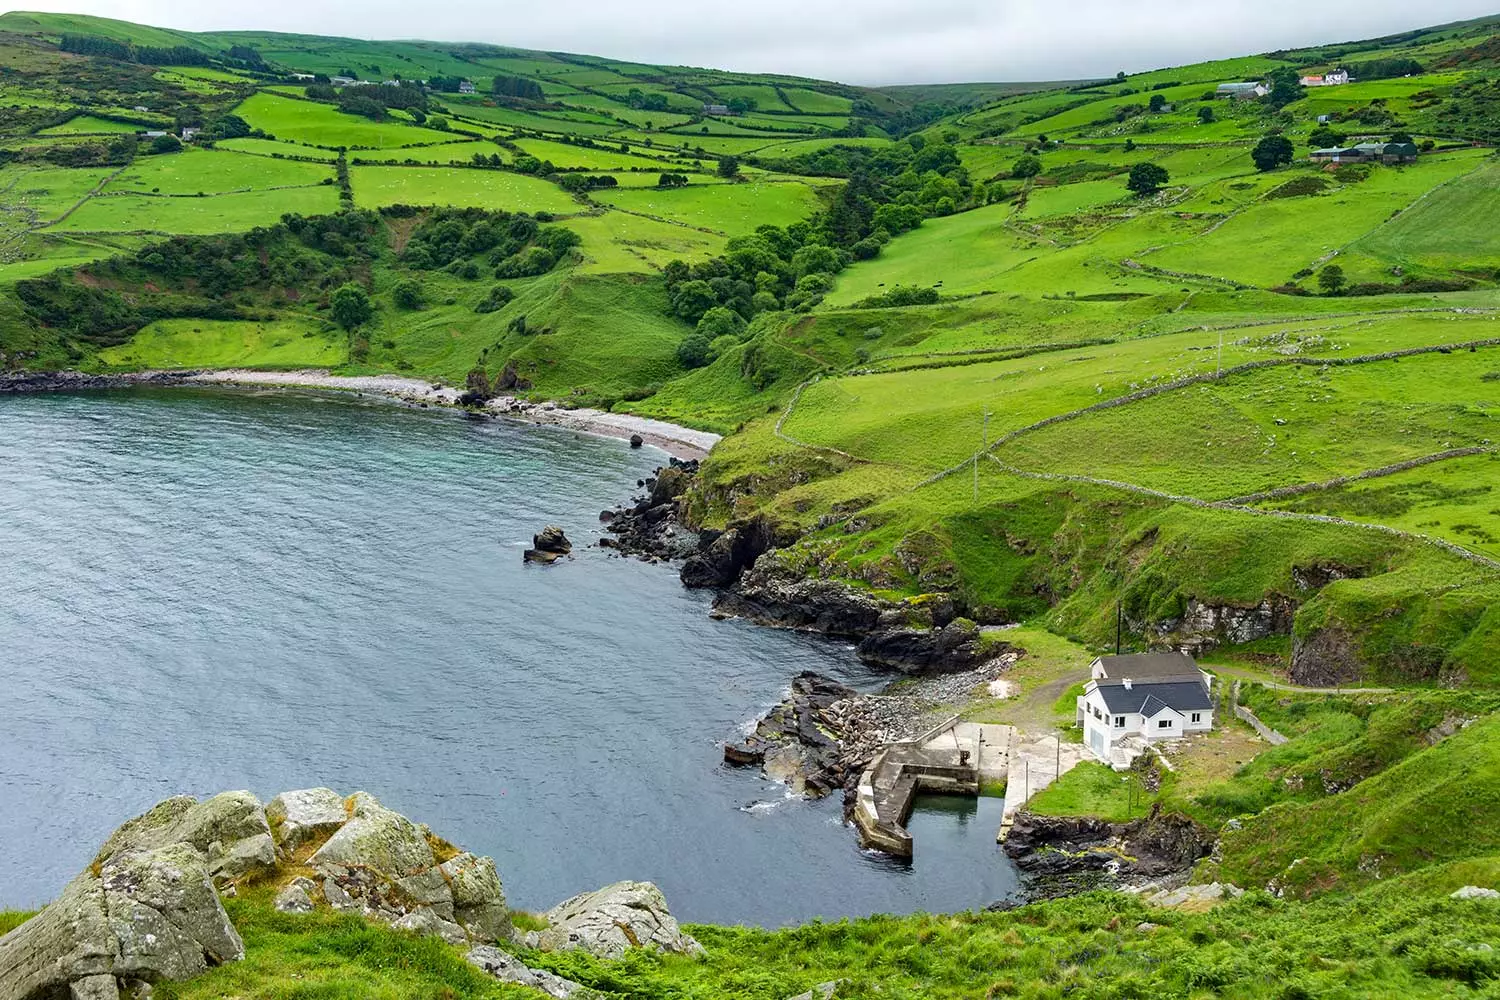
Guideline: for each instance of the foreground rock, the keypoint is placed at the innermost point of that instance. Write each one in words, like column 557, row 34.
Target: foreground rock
column 509, row 969
column 609, row 921
column 146, row 909
column 68, row 381
column 1064, row 855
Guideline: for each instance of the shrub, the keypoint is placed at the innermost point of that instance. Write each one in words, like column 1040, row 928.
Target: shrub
column 694, row 351
column 351, row 305
column 901, row 295
column 498, row 298
column 407, row 294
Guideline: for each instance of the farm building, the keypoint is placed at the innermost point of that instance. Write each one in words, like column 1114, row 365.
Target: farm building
column 1337, row 78
column 466, row 87
column 304, row 76
column 1142, row 697
column 1242, row 91
column 342, row 81
column 715, row 109
column 1367, row 152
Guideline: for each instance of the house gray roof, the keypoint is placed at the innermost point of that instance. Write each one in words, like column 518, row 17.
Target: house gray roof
column 1149, row 666
column 1148, row 699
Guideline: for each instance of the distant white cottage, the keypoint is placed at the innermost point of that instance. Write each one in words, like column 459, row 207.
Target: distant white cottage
column 1145, row 696
column 1337, row 78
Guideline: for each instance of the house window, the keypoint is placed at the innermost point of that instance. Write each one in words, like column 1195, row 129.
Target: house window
column 1119, row 722
column 1197, row 717
column 1164, row 724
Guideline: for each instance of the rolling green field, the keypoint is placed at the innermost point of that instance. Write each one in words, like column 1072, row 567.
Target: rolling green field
column 323, row 125
column 195, row 343
column 727, row 209
column 223, row 213
column 377, row 186
column 213, row 171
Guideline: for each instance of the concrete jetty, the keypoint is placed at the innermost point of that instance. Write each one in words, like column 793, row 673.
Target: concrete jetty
column 953, row 758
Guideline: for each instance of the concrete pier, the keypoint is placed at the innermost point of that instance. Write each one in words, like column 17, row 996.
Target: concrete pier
column 954, row 758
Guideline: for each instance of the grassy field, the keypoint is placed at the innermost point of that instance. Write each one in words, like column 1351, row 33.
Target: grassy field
column 213, row 171
column 269, row 147
column 193, row 343
column 726, row 209
column 324, row 125
column 89, row 125
column 222, row 213
column 1092, row 789
column 377, row 186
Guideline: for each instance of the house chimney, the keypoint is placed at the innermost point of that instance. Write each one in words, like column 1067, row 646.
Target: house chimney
column 1127, row 684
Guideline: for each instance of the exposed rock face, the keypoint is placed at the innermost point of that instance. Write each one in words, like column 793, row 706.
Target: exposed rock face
column 953, row 648
column 1204, row 626
column 294, row 898
column 509, row 969
column 1061, row 855
column 1326, row 658
column 478, row 899
column 611, row 920
column 796, row 739
column 305, row 814
column 73, row 381
column 772, row 597
column 148, row 914
column 723, row 557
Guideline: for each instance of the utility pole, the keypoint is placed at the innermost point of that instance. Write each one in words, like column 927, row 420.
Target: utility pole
column 1119, row 624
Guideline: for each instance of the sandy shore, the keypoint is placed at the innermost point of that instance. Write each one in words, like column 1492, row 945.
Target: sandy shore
column 682, row 442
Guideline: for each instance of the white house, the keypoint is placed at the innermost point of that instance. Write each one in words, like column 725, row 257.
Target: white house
column 465, row 87
column 1150, row 696
column 1337, row 78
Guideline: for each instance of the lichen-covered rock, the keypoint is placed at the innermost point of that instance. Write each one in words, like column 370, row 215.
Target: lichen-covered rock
column 508, row 969
column 379, row 839
column 164, row 914
column 94, row 988
column 305, row 814
column 294, row 899
column 230, row 828
column 427, row 922
column 1475, row 892
column 611, row 920
column 478, row 898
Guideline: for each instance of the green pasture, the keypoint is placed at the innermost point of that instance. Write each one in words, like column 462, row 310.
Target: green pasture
column 221, row 213
column 270, row 147
column 89, row 125
column 463, row 188
column 43, row 194
column 815, row 102
column 213, row 171
column 1453, row 227
column 588, row 157
column 297, row 342
column 765, row 97
column 324, row 125
column 617, row 242
column 728, row 209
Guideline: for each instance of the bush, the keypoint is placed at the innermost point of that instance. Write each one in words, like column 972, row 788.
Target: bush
column 407, row 294
column 901, row 295
column 351, row 305
column 527, row 264
column 499, row 297
column 1147, row 178
column 166, row 144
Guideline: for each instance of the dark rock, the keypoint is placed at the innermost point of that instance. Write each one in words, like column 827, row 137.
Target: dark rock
column 538, row 556
column 606, row 516
column 770, row 596
column 951, row 649
column 724, row 557
column 651, row 527
column 552, row 539
column 744, row 754
column 71, row 381
column 1062, row 855
column 1326, row 658
column 636, row 441
column 800, row 738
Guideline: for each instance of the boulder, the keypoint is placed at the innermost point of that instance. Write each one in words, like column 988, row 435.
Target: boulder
column 230, row 828
column 1475, row 892
column 478, row 898
column 427, row 923
column 305, row 814
column 294, row 899
column 822, row 991
column 379, row 839
column 552, row 539
column 94, row 988
column 508, row 969
column 611, row 920
column 636, row 441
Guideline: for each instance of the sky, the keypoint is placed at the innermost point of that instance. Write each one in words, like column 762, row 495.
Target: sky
column 867, row 42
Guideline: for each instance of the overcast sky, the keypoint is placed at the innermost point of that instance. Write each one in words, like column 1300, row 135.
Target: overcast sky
column 855, row 41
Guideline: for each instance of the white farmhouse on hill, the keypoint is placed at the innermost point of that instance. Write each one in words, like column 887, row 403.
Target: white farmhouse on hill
column 1142, row 697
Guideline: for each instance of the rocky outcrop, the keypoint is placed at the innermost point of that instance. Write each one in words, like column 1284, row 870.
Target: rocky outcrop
column 770, row 596
column 305, row 814
column 509, row 969
column 610, row 921
column 651, row 526
column 1062, row 855
column 548, row 546
column 1327, row 657
column 724, row 556
column 142, row 913
column 799, row 741
column 230, row 829
column 954, row 648
column 1205, row 626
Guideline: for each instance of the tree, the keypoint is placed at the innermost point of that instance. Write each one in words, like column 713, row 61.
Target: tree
column 672, row 181
column 720, row 321
column 1157, row 102
column 1026, row 166
column 1271, row 152
column 1402, row 137
column 1206, row 114
column 1331, row 279
column 729, row 167
column 408, row 294
column 351, row 306
column 1286, row 87
column 1147, row 178
column 166, row 144
column 1323, row 137
column 694, row 351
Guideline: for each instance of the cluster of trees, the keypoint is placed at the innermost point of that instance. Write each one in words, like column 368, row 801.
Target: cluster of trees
column 445, row 84
column 372, row 101
column 1273, row 151
column 586, row 182
column 774, row 268
column 1286, row 87
column 517, row 87
column 642, row 101
column 672, row 181
column 108, row 48
column 1383, row 69
column 924, row 175
column 513, row 245
column 901, row 295
column 114, row 153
